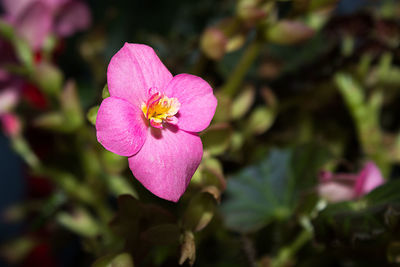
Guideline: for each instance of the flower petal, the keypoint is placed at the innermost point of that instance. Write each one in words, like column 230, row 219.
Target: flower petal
column 34, row 24
column 198, row 102
column 8, row 98
column 15, row 7
column 369, row 178
column 335, row 192
column 167, row 162
column 75, row 16
column 133, row 71
column 120, row 127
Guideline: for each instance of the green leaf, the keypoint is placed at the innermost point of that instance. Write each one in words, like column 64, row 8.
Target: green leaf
column 6, row 30
column 115, row 260
column 24, row 52
column 79, row 222
column 243, row 102
column 71, row 105
column 212, row 173
column 199, row 212
column 287, row 32
column 216, row 139
column 123, row 260
column 132, row 213
column 92, row 114
column 51, row 120
column 105, row 93
column 162, row 234
column 270, row 190
column 315, row 4
column 118, row 185
column 21, row 146
column 259, row 193
column 371, row 218
column 260, row 120
column 14, row 251
column 113, row 163
column 49, row 78
column 306, row 162
column 224, row 108
column 388, row 193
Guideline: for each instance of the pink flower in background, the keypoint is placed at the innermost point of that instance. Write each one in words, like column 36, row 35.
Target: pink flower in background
column 11, row 124
column 153, row 118
column 9, row 98
column 10, row 89
column 343, row 187
column 37, row 19
column 13, row 87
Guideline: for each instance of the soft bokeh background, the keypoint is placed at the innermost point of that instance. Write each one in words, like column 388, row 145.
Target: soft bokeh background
column 307, row 126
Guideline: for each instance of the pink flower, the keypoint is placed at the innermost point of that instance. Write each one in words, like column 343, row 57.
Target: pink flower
column 153, row 118
column 10, row 88
column 11, row 124
column 35, row 20
column 9, row 98
column 343, row 187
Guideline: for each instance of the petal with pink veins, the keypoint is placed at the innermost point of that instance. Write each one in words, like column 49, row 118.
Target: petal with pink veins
column 133, row 71
column 120, row 126
column 167, row 161
column 197, row 100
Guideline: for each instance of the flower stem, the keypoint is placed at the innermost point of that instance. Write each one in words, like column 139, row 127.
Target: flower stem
column 22, row 148
column 287, row 253
column 231, row 86
column 248, row 248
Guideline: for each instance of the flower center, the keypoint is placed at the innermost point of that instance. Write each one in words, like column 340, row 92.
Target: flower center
column 161, row 109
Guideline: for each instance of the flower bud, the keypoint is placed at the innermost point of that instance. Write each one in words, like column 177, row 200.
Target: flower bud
column 253, row 11
column 213, row 43
column 49, row 78
column 288, row 32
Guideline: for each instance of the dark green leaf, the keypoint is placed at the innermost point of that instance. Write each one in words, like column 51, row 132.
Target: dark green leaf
column 367, row 219
column 259, row 193
column 162, row 234
column 269, row 190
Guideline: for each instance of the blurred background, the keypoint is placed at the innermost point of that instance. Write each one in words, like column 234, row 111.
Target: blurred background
column 300, row 162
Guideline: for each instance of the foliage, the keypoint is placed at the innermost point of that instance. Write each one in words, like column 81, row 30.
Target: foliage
column 306, row 89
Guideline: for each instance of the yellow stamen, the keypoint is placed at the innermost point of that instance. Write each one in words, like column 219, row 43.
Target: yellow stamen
column 160, row 109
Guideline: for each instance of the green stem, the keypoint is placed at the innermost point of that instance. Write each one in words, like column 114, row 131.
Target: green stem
column 287, row 253
column 68, row 182
column 23, row 149
column 365, row 114
column 234, row 81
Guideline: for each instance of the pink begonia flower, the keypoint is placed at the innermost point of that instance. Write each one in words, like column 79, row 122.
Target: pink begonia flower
column 153, row 118
column 9, row 98
column 35, row 20
column 13, row 87
column 343, row 187
column 11, row 124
